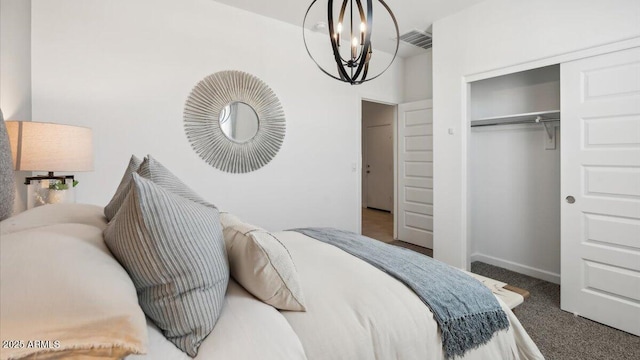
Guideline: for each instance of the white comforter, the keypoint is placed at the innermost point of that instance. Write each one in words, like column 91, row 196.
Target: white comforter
column 354, row 312
column 246, row 329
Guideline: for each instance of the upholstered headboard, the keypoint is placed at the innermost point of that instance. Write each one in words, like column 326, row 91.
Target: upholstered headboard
column 7, row 181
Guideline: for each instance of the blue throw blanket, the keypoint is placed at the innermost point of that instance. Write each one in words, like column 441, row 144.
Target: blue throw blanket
column 466, row 311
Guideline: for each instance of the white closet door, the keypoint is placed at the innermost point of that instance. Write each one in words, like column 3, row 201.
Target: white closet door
column 415, row 173
column 601, row 189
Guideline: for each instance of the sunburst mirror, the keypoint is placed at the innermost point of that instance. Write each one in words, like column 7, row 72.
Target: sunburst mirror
column 234, row 121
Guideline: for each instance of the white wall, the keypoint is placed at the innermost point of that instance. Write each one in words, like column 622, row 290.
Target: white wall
column 514, row 206
column 418, row 77
column 376, row 114
column 492, row 35
column 125, row 69
column 523, row 92
column 15, row 74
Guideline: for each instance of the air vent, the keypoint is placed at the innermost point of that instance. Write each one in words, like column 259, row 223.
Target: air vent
column 417, row 38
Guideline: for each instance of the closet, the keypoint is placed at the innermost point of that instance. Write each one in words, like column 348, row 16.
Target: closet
column 564, row 211
column 514, row 172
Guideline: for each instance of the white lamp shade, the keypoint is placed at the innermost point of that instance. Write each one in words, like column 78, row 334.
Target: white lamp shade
column 38, row 146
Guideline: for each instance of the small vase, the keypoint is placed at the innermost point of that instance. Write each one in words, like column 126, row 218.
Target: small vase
column 56, row 196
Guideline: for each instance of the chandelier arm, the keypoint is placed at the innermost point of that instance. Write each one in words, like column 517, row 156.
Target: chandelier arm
column 395, row 54
column 365, row 72
column 343, row 7
column 352, row 49
column 367, row 39
column 360, row 10
column 363, row 19
column 304, row 39
column 336, row 52
column 342, row 10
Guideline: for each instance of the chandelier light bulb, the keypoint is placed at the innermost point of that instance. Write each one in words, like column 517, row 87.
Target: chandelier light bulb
column 354, row 49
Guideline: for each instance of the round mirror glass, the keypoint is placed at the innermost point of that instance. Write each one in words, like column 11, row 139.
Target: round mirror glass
column 239, row 122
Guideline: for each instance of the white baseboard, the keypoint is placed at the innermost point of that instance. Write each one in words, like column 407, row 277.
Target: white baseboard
column 519, row 268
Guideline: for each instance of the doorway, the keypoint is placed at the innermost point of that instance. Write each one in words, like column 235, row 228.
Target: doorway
column 377, row 170
column 397, row 173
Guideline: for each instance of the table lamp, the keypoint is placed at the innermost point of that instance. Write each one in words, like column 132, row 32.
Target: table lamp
column 49, row 147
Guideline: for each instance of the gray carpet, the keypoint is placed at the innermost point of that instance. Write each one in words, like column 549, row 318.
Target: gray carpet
column 558, row 334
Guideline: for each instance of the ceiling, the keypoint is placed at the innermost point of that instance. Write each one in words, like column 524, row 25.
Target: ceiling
column 410, row 14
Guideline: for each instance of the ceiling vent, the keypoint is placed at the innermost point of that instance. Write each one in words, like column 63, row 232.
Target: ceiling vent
column 417, row 38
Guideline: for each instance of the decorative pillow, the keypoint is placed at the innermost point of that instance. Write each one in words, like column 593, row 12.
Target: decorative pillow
column 174, row 251
column 151, row 169
column 262, row 265
column 160, row 175
column 123, row 189
column 228, row 220
column 64, row 296
column 7, row 181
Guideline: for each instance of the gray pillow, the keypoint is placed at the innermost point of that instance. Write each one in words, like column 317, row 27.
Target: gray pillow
column 160, row 175
column 151, row 169
column 123, row 189
column 174, row 251
column 7, row 181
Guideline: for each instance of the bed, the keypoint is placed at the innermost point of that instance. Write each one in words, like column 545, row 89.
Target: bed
column 67, row 290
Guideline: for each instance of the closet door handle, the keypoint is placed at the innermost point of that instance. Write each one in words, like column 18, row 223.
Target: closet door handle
column 570, row 199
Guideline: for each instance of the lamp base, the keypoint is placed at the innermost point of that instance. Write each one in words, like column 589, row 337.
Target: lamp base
column 49, row 189
column 49, row 176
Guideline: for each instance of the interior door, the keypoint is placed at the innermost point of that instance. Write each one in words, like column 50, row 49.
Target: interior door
column 379, row 167
column 415, row 173
column 600, row 212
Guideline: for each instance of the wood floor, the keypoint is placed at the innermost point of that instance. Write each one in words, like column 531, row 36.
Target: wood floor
column 378, row 224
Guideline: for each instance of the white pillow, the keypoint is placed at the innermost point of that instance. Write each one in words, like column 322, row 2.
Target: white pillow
column 61, row 286
column 262, row 264
column 52, row 214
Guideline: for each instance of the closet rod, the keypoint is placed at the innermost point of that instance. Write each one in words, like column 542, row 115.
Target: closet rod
column 534, row 121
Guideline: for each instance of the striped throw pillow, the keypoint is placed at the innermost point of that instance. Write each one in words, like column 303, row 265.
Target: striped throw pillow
column 150, row 169
column 160, row 175
column 123, row 189
column 174, row 251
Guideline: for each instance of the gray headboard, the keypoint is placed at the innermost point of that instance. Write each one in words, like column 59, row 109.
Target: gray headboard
column 7, row 181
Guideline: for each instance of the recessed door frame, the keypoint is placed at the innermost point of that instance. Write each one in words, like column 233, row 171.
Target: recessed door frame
column 394, row 127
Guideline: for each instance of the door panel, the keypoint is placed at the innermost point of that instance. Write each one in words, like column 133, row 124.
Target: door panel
column 601, row 171
column 415, row 173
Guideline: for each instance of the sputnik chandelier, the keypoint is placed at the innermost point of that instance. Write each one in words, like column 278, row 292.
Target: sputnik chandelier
column 351, row 40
